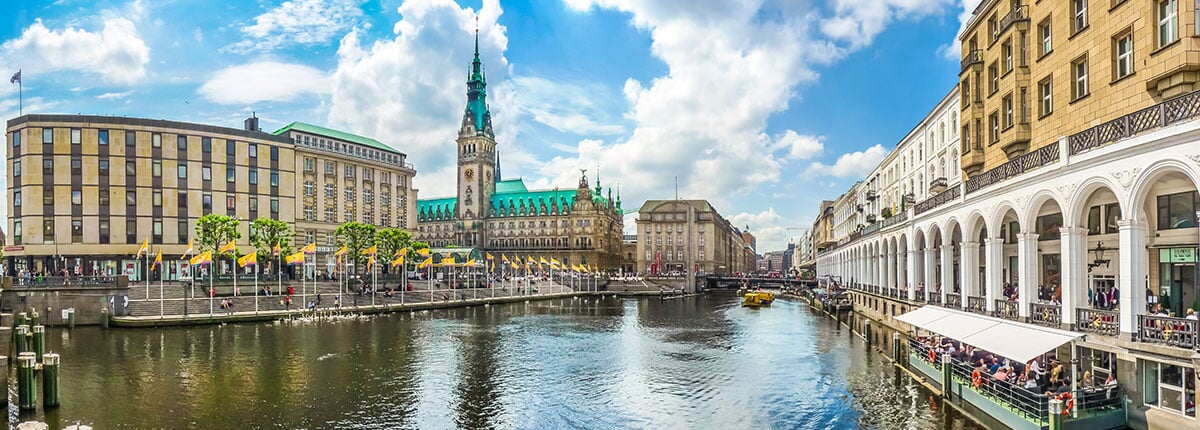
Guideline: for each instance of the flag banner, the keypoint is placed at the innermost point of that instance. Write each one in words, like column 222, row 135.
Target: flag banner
column 16, row 77
column 490, row 257
column 542, row 260
column 277, row 249
column 515, row 266
column 157, row 260
column 144, row 249
column 250, row 259
column 201, row 259
column 424, row 252
column 470, row 262
column 504, row 258
column 228, row 247
column 447, row 261
column 399, row 260
column 370, row 261
column 297, row 258
column 342, row 251
column 428, row 262
column 187, row 251
column 371, row 251
column 309, row 249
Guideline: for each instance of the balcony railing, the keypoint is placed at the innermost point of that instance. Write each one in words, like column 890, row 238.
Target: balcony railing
column 938, row 185
column 872, row 195
column 938, row 199
column 1180, row 332
column 954, row 301
column 1015, row 166
column 1019, row 13
column 871, row 228
column 895, row 219
column 1045, row 314
column 1097, row 321
column 1007, row 309
column 935, row 298
column 1160, row 115
column 972, row 58
column 977, row 305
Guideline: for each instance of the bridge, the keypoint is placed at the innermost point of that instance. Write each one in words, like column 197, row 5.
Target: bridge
column 734, row 282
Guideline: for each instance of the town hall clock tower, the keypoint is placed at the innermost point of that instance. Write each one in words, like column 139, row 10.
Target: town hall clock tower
column 476, row 158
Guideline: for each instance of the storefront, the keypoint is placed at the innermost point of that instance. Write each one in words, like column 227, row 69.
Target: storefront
column 1177, row 290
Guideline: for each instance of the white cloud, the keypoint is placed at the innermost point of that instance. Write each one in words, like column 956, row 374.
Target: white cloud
column 799, row 147
column 115, row 54
column 567, row 107
column 409, row 91
column 851, row 165
column 264, row 81
column 953, row 50
column 300, row 22
column 770, row 230
column 114, row 96
column 859, row 21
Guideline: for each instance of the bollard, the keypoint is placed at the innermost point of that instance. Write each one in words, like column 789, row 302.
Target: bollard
column 1056, row 414
column 946, row 381
column 26, row 382
column 104, row 317
column 70, row 317
column 33, row 317
column 867, row 329
column 22, row 318
column 896, row 347
column 50, row 380
column 21, row 338
column 39, row 340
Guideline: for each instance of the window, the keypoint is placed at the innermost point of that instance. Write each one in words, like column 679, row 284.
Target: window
column 131, row 231
column 181, row 142
column 274, row 153
column 102, row 137
column 76, row 197
column 309, row 164
column 1046, row 93
column 17, row 232
column 76, row 230
column 206, row 202
column 206, row 145
column 102, row 166
column 206, row 173
column 1112, row 213
column 130, row 168
column 1048, row 226
column 1123, row 55
column 1079, row 11
column 76, row 136
column 1044, row 34
column 130, row 197
column 1167, row 22
column 275, row 207
column 310, row 188
column 230, row 202
column 329, row 168
column 1006, row 50
column 76, row 166
column 230, row 174
column 48, row 230
column 183, row 201
column 16, row 168
column 330, row 191
column 1177, row 210
column 994, row 127
column 231, row 148
column 1168, row 386
column 17, row 198
column 16, row 139
column 349, row 171
column 156, row 140
column 330, row 215
column 130, row 139
column 274, row 179
column 253, row 150
column 182, row 170
column 156, row 198
column 253, row 176
column 1079, row 71
column 104, row 231
column 993, row 79
column 156, row 168
column 48, row 136
column 253, row 206
column 1093, row 221
column 157, row 231
column 183, row 231
column 1007, row 104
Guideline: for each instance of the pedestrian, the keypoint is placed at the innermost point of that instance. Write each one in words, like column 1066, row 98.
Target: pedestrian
column 287, row 302
column 291, row 290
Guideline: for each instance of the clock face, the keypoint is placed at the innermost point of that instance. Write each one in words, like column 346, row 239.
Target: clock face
column 468, row 174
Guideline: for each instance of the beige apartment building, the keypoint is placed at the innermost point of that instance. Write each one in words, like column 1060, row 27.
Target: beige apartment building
column 673, row 233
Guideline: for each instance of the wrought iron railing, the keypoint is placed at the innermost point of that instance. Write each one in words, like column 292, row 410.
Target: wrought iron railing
column 1007, row 309
column 1016, row 166
column 972, row 58
column 1019, row 13
column 935, row 298
column 938, row 199
column 977, row 304
column 68, row 281
column 894, row 219
column 1180, row 332
column 1097, row 321
column 871, row 228
column 1045, row 314
column 954, row 301
column 872, row 195
column 1160, row 115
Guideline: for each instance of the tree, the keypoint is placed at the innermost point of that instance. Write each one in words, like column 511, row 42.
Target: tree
column 356, row 236
column 391, row 241
column 215, row 230
column 265, row 233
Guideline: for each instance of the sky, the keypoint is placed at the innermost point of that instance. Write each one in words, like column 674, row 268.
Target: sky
column 763, row 107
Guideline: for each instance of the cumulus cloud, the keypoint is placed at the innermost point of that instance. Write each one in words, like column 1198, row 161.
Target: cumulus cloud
column 263, row 81
column 859, row 21
column 953, row 49
column 115, row 54
column 851, row 165
column 799, row 147
column 299, row 22
column 565, row 106
column 115, row 96
column 770, row 230
column 409, row 90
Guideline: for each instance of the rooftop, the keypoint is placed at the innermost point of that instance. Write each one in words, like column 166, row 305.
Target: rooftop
column 336, row 134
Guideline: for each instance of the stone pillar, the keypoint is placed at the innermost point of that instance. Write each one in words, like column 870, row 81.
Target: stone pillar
column 1028, row 265
column 1130, row 277
column 995, row 270
column 1074, row 271
column 947, row 270
column 969, row 270
column 930, row 269
column 910, row 274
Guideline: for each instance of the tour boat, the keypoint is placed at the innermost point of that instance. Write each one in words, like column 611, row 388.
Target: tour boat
column 758, row 298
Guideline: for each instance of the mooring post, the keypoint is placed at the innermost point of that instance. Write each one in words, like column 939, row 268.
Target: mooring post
column 21, row 338
column 867, row 330
column 946, row 367
column 896, row 347
column 50, row 380
column 1056, row 414
column 39, row 340
column 26, row 388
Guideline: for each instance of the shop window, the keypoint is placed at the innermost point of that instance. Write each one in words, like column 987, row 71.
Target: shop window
column 1177, row 210
column 1169, row 387
column 1048, row 226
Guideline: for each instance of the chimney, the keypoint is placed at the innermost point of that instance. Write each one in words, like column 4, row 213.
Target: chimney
column 251, row 123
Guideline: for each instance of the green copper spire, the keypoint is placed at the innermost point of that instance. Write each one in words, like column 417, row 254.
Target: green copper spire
column 476, row 118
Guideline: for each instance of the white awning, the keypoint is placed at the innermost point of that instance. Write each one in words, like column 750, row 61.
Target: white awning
column 1011, row 339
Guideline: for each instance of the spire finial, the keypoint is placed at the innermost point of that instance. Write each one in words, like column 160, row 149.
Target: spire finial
column 476, row 35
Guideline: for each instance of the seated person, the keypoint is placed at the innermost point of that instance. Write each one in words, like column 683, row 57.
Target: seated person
column 1001, row 374
column 1063, row 387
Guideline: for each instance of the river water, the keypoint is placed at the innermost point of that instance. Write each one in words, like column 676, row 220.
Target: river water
column 597, row 363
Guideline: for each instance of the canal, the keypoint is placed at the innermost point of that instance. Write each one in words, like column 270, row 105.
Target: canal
column 597, row 363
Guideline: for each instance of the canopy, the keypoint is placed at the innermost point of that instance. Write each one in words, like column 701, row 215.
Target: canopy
column 1017, row 341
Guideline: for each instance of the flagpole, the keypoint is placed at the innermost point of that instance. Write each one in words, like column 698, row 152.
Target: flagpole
column 256, row 284
column 211, row 294
column 374, row 281
column 161, row 309
column 146, row 261
column 235, row 273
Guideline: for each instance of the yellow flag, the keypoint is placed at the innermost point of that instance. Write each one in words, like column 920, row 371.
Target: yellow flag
column 277, row 249
column 342, row 251
column 187, row 251
column 490, row 257
column 370, row 261
column 542, row 260
column 157, row 259
column 144, row 249
column 250, row 259
column 470, row 262
column 228, row 247
column 372, row 250
column 447, row 261
column 309, row 249
column 204, row 258
column 297, row 258
column 399, row 260
column 428, row 262
column 424, row 252
column 504, row 258
column 514, row 265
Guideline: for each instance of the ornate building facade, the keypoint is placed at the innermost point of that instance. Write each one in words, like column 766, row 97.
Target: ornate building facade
column 580, row 226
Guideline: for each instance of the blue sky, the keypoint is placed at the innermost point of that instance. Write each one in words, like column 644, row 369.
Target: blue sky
column 764, row 107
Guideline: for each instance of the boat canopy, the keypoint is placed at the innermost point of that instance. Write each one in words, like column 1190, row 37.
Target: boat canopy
column 1011, row 339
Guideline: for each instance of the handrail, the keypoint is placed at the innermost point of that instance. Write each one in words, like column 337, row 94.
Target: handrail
column 1159, row 115
column 1045, row 314
column 937, row 200
column 1014, row 167
column 1006, row 309
column 1180, row 332
column 977, row 304
column 1019, row 13
column 66, row 281
column 1097, row 321
column 972, row 58
column 954, row 301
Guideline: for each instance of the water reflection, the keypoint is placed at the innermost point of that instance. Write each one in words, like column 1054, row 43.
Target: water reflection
column 701, row 362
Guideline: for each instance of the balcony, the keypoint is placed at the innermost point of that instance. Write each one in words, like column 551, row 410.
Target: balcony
column 1014, row 167
column 1007, row 309
column 938, row 199
column 910, row 199
column 977, row 305
column 1016, row 140
column 973, row 58
column 871, row 219
column 1157, row 116
column 1177, row 332
column 858, row 208
column 938, row 185
column 1017, row 14
column 1048, row 315
column 972, row 162
column 1097, row 321
column 872, row 195
column 954, row 301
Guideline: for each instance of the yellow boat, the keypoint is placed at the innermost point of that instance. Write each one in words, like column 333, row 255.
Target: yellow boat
column 758, row 298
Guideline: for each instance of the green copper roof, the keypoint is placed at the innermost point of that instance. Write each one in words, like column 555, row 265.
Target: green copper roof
column 336, row 134
column 511, row 186
column 436, row 209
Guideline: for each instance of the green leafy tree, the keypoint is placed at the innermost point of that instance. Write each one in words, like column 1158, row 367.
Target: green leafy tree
column 215, row 230
column 265, row 233
column 356, row 236
column 391, row 242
